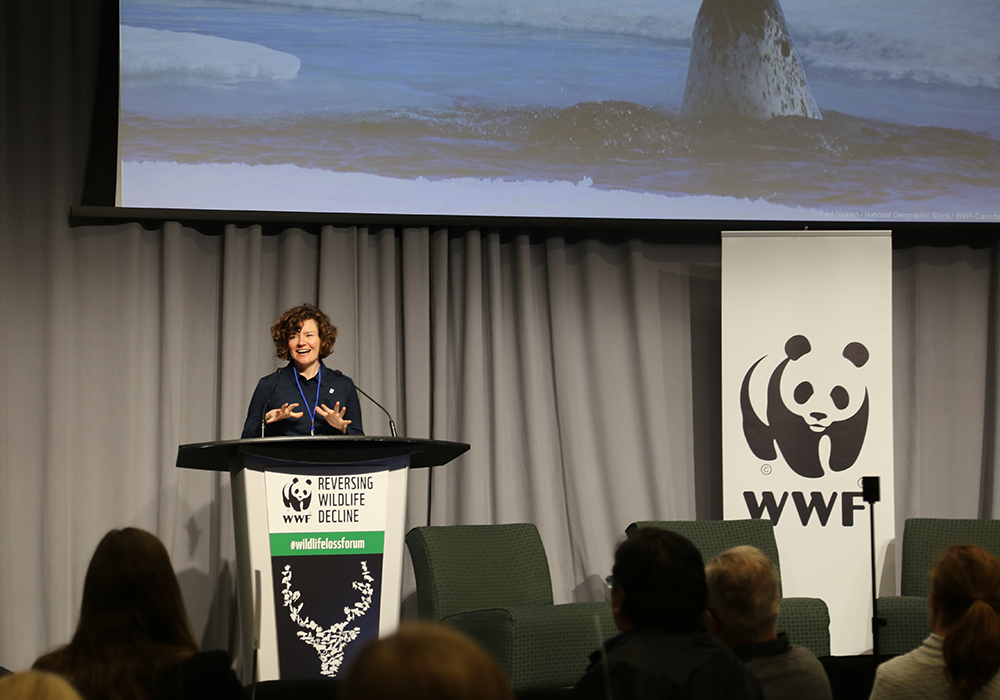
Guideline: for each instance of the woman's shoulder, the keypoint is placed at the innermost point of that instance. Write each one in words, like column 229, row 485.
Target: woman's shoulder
column 915, row 675
column 205, row 675
column 58, row 660
column 267, row 383
column 272, row 378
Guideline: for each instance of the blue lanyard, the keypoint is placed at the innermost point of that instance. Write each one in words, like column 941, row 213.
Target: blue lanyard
column 312, row 413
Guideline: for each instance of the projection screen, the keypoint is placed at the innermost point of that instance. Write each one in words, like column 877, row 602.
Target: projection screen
column 814, row 110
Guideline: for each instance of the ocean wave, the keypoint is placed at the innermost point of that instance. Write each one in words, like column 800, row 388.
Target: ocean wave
column 613, row 133
column 925, row 41
column 654, row 19
column 146, row 52
column 922, row 41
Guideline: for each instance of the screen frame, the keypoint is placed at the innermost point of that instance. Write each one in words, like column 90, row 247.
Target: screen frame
column 98, row 203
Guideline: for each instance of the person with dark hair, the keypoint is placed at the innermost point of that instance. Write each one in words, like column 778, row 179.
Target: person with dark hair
column 960, row 660
column 425, row 661
column 658, row 598
column 134, row 640
column 743, row 607
column 304, row 397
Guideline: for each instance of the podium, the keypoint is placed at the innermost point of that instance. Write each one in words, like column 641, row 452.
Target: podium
column 319, row 542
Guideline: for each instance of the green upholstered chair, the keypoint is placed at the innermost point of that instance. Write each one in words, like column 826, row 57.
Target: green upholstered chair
column 924, row 541
column 806, row 621
column 493, row 583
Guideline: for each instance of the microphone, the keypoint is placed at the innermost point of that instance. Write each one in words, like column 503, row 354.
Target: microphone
column 392, row 426
column 263, row 413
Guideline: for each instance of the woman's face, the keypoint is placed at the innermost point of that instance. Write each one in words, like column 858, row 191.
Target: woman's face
column 304, row 346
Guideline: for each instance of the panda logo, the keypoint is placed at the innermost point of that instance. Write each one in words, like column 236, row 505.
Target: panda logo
column 297, row 495
column 817, row 409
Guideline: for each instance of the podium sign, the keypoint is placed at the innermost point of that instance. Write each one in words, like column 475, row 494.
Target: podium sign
column 330, row 553
column 319, row 538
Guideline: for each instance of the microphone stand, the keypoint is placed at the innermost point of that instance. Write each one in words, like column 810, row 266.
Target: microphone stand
column 392, row 431
column 263, row 412
column 871, row 493
column 392, row 425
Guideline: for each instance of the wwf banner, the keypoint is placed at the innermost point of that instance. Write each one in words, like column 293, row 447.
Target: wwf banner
column 807, row 408
column 327, row 540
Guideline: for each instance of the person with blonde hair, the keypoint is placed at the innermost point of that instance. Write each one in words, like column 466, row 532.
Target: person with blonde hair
column 134, row 639
column 961, row 657
column 425, row 661
column 743, row 608
column 36, row 685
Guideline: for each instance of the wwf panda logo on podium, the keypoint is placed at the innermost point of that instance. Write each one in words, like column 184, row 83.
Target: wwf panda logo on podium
column 297, row 494
column 817, row 409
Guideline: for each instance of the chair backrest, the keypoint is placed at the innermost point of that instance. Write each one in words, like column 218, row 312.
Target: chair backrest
column 475, row 567
column 926, row 539
column 713, row 537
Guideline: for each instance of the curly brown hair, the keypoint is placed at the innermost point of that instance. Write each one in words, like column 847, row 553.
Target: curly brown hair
column 291, row 322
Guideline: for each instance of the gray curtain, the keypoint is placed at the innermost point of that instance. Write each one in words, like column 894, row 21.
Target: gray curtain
column 584, row 373
column 945, row 313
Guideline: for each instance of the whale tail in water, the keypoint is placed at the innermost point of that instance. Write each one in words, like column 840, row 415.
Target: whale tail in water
column 743, row 63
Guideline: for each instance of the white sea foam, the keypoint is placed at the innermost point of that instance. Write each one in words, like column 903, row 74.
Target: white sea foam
column 927, row 41
column 147, row 52
column 291, row 188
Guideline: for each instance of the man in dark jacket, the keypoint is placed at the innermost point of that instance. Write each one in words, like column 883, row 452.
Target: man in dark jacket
column 658, row 597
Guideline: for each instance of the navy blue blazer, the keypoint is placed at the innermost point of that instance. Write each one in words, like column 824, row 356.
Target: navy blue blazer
column 282, row 389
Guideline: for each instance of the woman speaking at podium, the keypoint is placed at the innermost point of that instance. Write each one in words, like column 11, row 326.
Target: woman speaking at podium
column 304, row 397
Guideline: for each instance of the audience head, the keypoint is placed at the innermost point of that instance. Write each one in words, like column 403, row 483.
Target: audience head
column 658, row 578
column 131, row 590
column 36, row 685
column 290, row 323
column 133, row 622
column 425, row 661
column 965, row 610
column 743, row 598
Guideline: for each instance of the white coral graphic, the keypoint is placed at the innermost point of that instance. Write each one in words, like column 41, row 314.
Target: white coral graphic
column 329, row 643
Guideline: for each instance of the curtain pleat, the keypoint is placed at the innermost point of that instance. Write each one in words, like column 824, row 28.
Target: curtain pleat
column 942, row 309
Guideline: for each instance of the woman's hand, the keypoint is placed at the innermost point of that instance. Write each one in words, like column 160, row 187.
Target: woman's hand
column 334, row 416
column 286, row 411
